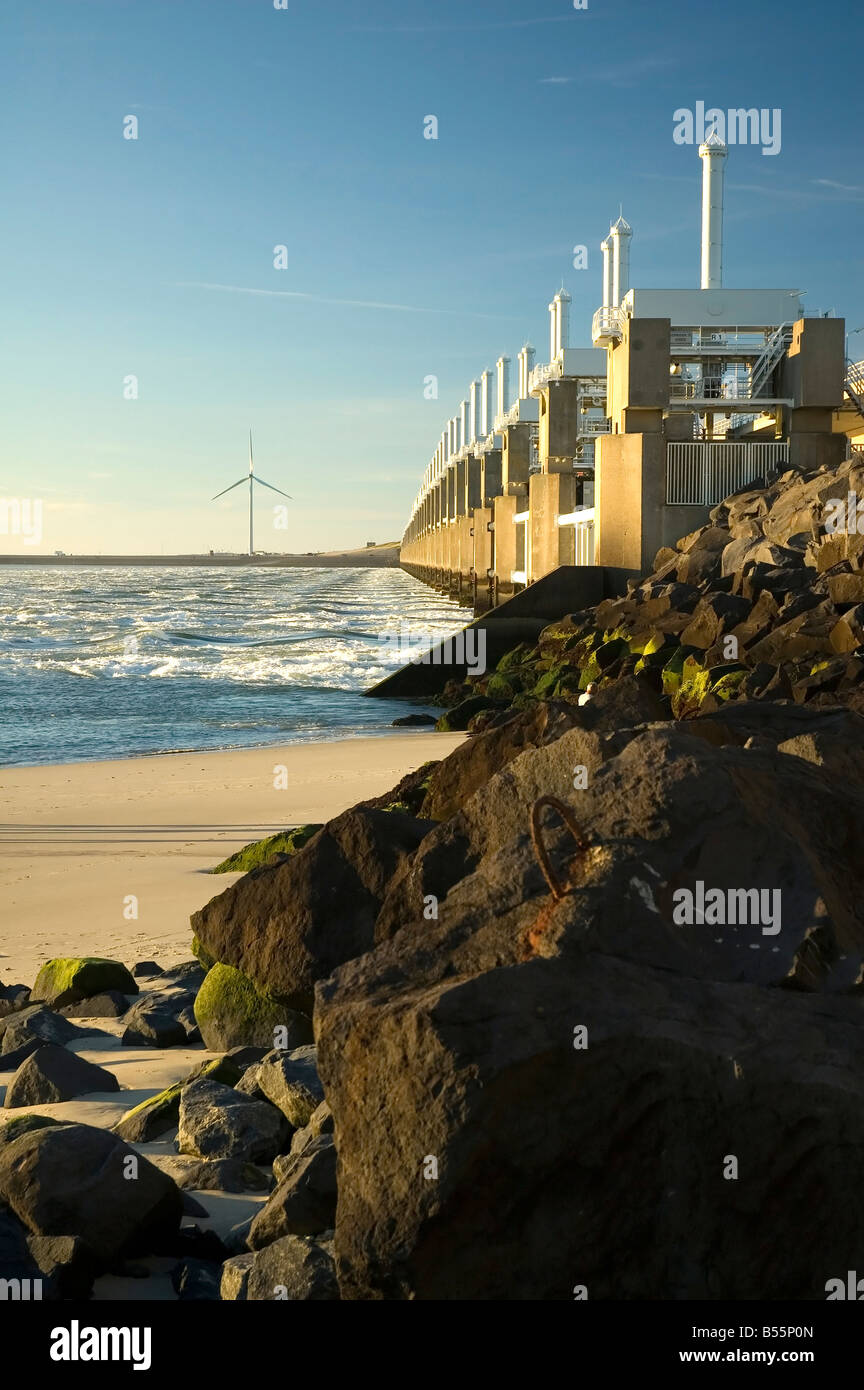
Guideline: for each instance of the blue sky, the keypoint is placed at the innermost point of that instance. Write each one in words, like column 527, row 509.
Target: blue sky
column 304, row 127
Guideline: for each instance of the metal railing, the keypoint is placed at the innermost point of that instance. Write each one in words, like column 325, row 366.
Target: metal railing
column 702, row 474
column 582, row 521
column 607, row 323
column 547, row 371
column 599, row 425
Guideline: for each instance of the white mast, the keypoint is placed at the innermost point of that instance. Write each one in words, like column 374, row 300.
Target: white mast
column 713, row 155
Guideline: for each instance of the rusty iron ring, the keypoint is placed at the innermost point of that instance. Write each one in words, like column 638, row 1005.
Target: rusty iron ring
column 566, row 813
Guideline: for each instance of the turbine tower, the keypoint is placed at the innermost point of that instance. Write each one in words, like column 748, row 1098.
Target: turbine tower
column 252, row 478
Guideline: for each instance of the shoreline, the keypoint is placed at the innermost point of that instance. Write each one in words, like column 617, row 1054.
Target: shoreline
column 84, row 845
column 334, row 736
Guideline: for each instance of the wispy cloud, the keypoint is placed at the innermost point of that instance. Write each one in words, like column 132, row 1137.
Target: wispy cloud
column 325, row 299
column 853, row 192
column 804, row 195
column 843, row 187
column 625, row 74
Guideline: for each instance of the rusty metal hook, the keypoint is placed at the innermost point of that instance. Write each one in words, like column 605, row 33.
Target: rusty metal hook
column 557, row 890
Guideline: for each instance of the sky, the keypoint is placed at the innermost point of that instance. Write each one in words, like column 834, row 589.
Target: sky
column 405, row 257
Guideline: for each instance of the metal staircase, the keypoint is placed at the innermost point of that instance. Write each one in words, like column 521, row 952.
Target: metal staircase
column 854, row 385
column 763, row 368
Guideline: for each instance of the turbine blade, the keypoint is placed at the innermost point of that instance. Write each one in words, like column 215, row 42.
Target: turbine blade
column 273, row 489
column 231, row 488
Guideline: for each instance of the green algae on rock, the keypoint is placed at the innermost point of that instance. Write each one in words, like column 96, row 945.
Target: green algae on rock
column 254, row 855
column 232, row 1012
column 69, row 979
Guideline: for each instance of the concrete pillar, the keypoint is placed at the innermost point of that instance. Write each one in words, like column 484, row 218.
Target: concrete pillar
column 550, row 495
column 473, row 472
column 560, row 422
column 515, row 458
column 483, row 594
column 460, row 497
column 639, row 376
column 504, row 510
column 490, row 480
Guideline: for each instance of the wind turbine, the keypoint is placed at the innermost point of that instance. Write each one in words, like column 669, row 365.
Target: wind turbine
column 251, row 478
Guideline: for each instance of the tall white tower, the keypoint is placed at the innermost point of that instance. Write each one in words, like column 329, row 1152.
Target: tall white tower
column 713, row 155
column 564, row 302
column 620, row 234
column 503, row 368
column 487, row 416
column 606, row 248
column 553, row 330
column 526, row 367
column 475, row 412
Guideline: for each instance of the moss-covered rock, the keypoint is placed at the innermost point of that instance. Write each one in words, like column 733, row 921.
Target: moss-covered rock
column 23, row 1124
column 548, row 681
column 499, row 687
column 152, row 1118
column 254, row 855
column 726, row 687
column 456, row 720
column 159, row 1113
column 674, row 668
column 232, row 1012
column 201, row 954
column 69, row 979
column 516, row 657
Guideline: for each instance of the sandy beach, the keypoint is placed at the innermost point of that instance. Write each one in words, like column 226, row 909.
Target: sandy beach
column 78, row 840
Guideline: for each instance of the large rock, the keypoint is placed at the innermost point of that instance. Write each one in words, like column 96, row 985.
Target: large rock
column 492, row 819
column 295, row 1269
column 160, row 1113
column 304, row 1203
column 13, row 998
column 11, row 1061
column 111, row 1004
column 74, row 1180
column 196, row 1281
column 218, row 1122
column 189, row 976
column 287, row 926
column 290, row 1081
column 65, row 1264
column 52, row 1074
column 518, row 1156
column 16, row 1259
column 218, row 1175
column 157, row 1021
column 69, row 979
column 235, row 1277
column 456, row 778
column 37, row 1021
column 231, row 1011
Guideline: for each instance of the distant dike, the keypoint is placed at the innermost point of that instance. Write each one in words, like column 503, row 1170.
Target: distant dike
column 381, row 557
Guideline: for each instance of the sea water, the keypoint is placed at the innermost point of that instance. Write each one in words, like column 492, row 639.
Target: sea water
column 103, row 662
